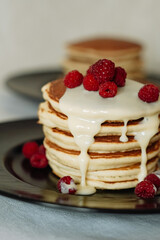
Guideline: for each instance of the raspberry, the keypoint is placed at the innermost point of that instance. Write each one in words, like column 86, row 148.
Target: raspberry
column 42, row 149
column 90, row 83
column 119, row 76
column 145, row 189
column 73, row 79
column 154, row 179
column 38, row 160
column 66, row 185
column 102, row 70
column 29, row 149
column 149, row 93
column 108, row 89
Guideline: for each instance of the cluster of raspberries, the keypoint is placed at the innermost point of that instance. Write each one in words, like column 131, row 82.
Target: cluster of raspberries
column 104, row 77
column 36, row 154
column 149, row 187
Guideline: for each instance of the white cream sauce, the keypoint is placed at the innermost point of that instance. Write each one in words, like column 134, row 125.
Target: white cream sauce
column 87, row 110
column 151, row 124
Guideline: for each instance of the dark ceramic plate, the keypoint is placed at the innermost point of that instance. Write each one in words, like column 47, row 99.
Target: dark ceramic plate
column 29, row 84
column 18, row 179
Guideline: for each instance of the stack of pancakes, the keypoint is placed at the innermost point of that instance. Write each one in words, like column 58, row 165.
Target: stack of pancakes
column 113, row 164
column 80, row 55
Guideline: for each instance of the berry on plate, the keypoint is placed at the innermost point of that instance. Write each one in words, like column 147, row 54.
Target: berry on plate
column 145, row 189
column 66, row 185
column 73, row 79
column 29, row 148
column 149, row 93
column 42, row 149
column 38, row 160
column 152, row 177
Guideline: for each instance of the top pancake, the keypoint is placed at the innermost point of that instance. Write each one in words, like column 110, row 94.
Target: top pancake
column 56, row 90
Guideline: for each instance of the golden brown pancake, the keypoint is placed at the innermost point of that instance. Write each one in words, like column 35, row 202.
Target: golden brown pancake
column 106, row 46
column 127, row 54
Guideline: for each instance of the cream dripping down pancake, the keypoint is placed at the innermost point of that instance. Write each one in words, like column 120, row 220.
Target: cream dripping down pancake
column 101, row 143
column 127, row 54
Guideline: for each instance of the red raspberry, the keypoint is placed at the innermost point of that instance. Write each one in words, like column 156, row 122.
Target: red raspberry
column 38, row 160
column 73, row 79
column 119, row 76
column 42, row 149
column 108, row 89
column 90, row 83
column 154, row 179
column 149, row 93
column 103, row 70
column 145, row 189
column 29, row 149
column 66, row 185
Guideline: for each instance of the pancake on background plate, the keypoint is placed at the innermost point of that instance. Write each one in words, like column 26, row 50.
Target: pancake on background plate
column 125, row 53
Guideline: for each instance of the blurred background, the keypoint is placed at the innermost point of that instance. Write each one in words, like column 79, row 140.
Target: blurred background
column 33, row 33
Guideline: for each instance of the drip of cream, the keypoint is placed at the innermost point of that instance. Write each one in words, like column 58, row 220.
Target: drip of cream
column 86, row 112
column 151, row 125
column 124, row 137
column 84, row 131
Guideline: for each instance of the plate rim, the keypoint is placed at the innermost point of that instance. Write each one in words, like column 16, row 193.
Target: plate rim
column 6, row 175
column 13, row 81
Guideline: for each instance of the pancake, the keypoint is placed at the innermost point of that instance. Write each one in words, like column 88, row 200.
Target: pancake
column 113, row 163
column 132, row 66
column 100, row 47
column 127, row 54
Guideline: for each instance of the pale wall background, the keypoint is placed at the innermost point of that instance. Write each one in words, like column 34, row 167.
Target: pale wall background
column 33, row 33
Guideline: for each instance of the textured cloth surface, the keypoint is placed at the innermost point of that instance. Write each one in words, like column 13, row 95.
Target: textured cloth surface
column 23, row 220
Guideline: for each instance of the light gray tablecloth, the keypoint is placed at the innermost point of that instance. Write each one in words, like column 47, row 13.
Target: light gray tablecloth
column 21, row 220
column 25, row 221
